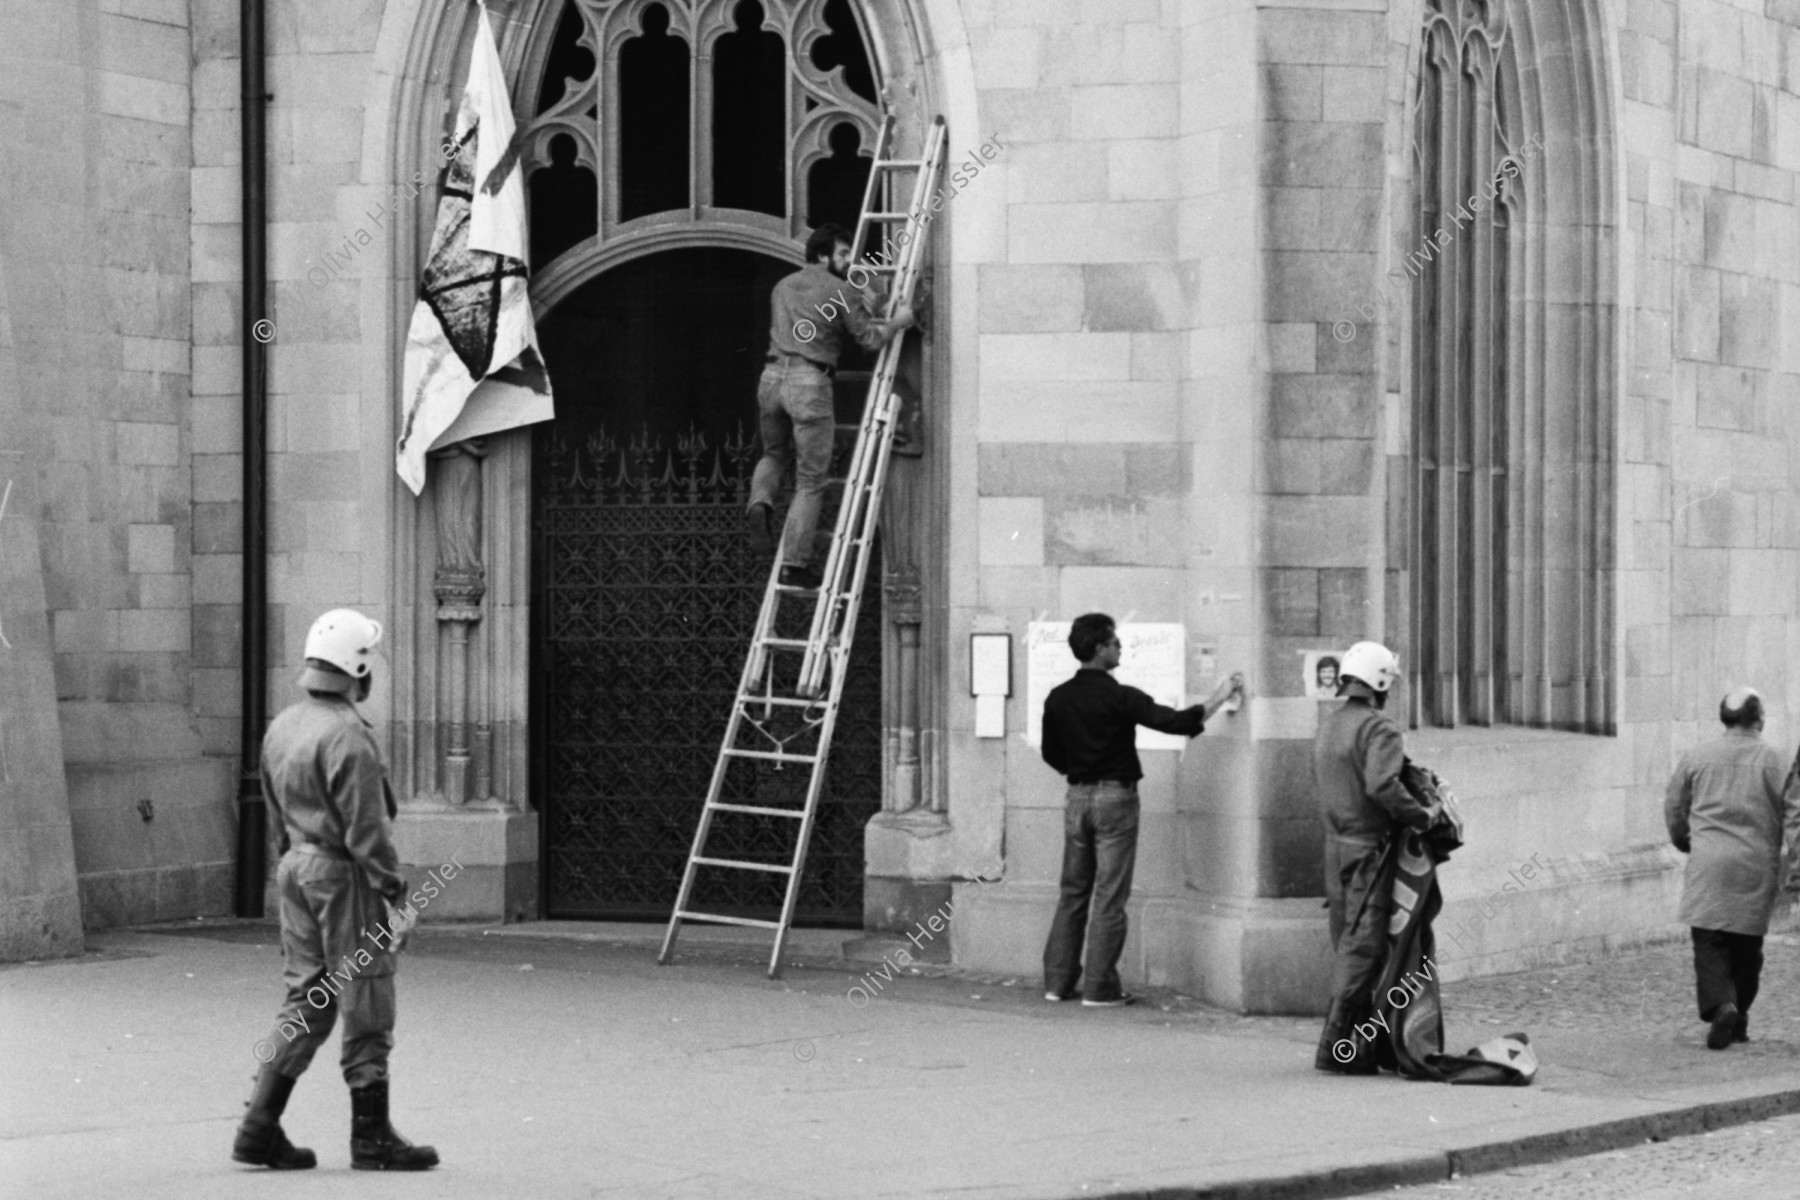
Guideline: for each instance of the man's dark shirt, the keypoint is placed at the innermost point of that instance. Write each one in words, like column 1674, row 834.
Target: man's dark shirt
column 831, row 311
column 1090, row 727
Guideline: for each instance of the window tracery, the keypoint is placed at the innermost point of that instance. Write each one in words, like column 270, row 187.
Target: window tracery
column 757, row 113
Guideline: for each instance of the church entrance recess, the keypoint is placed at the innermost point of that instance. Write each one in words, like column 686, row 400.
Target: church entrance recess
column 645, row 593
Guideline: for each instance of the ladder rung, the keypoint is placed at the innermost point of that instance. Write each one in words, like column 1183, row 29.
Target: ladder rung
column 791, row 587
column 889, row 216
column 883, row 164
column 743, row 866
column 784, row 701
column 788, row 643
column 773, row 755
column 755, row 811
column 753, row 922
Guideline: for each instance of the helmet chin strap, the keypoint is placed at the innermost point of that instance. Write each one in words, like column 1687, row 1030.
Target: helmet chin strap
column 313, row 679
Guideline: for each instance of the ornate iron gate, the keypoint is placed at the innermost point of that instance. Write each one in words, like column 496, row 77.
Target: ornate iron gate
column 645, row 594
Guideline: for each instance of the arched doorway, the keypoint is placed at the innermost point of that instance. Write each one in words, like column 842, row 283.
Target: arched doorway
column 678, row 153
column 644, row 594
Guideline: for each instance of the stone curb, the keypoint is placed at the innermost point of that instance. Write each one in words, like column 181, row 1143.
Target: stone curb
column 1493, row 1156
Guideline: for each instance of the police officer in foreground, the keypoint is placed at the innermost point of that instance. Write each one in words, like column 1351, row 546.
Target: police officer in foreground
column 1358, row 758
column 327, row 794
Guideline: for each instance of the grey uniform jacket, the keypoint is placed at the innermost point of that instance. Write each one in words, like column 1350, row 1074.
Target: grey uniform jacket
column 323, row 781
column 1357, row 758
column 1726, row 804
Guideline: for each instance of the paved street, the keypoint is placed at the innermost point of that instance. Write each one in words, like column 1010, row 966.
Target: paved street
column 559, row 1060
column 1749, row 1162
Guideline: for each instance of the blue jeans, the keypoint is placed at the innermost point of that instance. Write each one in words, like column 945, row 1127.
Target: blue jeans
column 1100, row 829
column 798, row 422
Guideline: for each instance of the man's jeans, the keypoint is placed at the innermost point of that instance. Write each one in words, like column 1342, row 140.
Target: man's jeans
column 1100, row 829
column 797, row 417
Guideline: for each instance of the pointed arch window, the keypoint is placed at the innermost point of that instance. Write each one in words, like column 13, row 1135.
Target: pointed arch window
column 666, row 113
column 1510, row 475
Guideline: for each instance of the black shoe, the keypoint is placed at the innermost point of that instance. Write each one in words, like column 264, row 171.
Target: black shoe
column 1119, row 1001
column 1724, row 1025
column 1342, row 1051
column 1058, row 995
column 759, row 526
column 802, row 577
column 260, row 1141
column 1741, row 1031
column 374, row 1144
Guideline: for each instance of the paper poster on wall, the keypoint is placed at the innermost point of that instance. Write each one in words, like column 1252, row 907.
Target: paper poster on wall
column 1320, row 673
column 1153, row 659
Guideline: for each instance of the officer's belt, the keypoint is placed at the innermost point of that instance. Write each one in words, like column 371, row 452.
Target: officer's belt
column 308, row 846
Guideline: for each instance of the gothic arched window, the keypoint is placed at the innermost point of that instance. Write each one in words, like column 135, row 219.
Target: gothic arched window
column 1510, row 384
column 1464, row 164
column 666, row 113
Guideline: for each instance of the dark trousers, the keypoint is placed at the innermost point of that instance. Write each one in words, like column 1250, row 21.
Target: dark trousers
column 1358, row 917
column 1100, row 828
column 1727, row 970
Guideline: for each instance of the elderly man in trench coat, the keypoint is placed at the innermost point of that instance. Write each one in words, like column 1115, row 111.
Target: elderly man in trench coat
column 1727, row 806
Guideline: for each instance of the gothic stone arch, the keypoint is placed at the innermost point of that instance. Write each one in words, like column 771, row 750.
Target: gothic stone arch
column 459, row 739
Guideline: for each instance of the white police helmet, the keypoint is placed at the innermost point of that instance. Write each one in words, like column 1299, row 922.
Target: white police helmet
column 346, row 639
column 1372, row 663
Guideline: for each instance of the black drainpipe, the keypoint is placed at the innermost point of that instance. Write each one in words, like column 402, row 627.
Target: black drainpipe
column 253, row 831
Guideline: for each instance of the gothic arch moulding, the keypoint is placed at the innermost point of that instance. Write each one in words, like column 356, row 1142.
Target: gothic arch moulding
column 462, row 739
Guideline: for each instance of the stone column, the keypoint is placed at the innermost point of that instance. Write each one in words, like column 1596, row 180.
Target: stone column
column 905, row 610
column 459, row 583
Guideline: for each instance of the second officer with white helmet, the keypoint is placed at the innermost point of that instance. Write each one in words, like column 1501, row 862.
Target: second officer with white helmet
column 1357, row 760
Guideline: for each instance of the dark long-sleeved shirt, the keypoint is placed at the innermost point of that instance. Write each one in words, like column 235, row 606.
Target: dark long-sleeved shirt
column 815, row 301
column 1090, row 727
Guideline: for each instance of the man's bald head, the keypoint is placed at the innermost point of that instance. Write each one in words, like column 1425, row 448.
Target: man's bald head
column 1742, row 709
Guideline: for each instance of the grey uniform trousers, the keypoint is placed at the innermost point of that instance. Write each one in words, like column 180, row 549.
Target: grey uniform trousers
column 334, row 934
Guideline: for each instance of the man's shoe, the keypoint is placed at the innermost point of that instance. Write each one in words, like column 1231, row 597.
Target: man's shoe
column 1724, row 1025
column 759, row 527
column 375, row 1145
column 1056, row 997
column 1741, row 1031
column 1118, row 1001
column 802, row 577
column 260, row 1141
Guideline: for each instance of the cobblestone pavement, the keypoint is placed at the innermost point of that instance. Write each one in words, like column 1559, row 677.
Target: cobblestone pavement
column 1750, row 1162
column 1650, row 991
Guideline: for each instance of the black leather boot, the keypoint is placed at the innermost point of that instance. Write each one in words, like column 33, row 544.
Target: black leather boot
column 260, row 1141
column 374, row 1144
column 1342, row 1050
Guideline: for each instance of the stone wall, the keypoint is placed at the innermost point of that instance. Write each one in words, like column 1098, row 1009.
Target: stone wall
column 97, row 250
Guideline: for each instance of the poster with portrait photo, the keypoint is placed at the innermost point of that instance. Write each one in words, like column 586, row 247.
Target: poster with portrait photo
column 1321, row 673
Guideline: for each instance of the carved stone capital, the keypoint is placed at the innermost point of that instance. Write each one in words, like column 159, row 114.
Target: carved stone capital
column 459, row 589
column 905, row 602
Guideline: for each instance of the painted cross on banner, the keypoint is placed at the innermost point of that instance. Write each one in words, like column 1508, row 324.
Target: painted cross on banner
column 472, row 361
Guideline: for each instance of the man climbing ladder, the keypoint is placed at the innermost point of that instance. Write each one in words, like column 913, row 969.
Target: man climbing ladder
column 811, row 315
column 792, row 685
